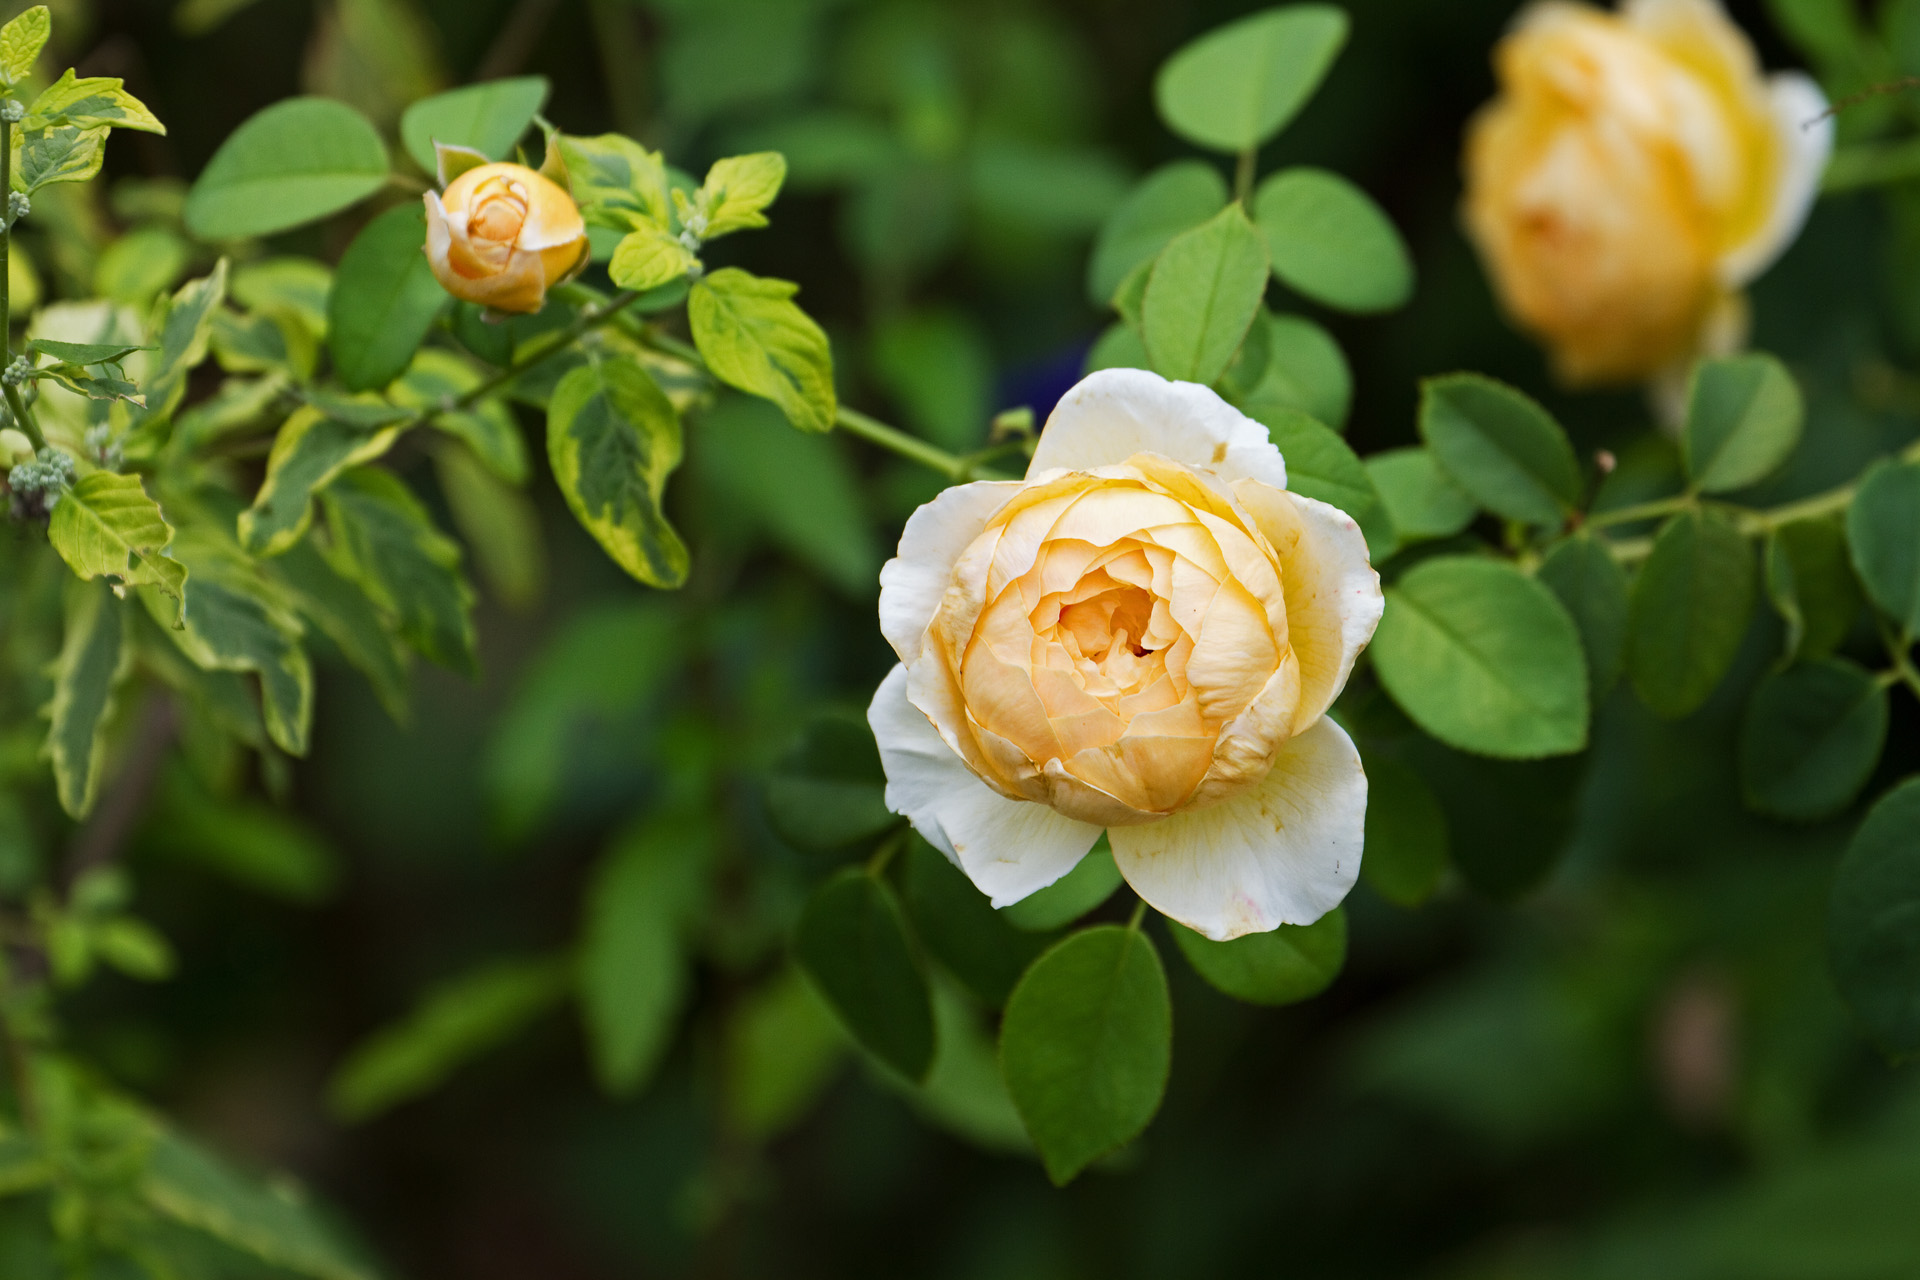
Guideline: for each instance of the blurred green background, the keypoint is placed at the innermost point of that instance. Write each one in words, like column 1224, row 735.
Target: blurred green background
column 1638, row 1070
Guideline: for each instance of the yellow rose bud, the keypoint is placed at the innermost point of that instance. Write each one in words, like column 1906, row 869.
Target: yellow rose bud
column 1144, row 635
column 1634, row 174
column 501, row 235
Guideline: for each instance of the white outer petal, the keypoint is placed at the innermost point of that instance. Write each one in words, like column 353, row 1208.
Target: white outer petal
column 913, row 582
column 439, row 234
column 1284, row 852
column 1805, row 132
column 1333, row 594
column 1008, row 848
column 1115, row 413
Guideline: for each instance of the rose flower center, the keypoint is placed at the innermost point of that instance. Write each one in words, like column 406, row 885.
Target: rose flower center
column 499, row 211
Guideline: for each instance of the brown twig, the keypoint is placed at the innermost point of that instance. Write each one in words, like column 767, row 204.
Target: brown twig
column 1871, row 91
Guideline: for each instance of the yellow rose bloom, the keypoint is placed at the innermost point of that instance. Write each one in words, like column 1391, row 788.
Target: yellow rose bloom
column 1142, row 636
column 501, row 235
column 1634, row 174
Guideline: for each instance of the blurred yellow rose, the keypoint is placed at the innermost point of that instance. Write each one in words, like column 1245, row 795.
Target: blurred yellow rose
column 1635, row 173
column 1144, row 635
column 501, row 235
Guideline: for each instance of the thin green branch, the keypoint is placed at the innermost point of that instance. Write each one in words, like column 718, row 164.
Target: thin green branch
column 1139, row 914
column 15, row 401
column 1641, row 511
column 1243, row 173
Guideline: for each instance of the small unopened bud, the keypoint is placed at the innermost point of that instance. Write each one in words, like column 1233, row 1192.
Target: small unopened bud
column 1009, row 423
column 13, row 112
column 18, row 206
column 1605, row 462
column 103, row 448
column 17, row 373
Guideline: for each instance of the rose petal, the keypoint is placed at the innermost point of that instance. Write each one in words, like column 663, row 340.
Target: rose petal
column 1115, row 413
column 1008, row 848
column 913, row 582
column 1283, row 852
column 1804, row 133
column 553, row 219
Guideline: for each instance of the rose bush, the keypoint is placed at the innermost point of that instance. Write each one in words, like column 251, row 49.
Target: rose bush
column 1635, row 173
column 1143, row 635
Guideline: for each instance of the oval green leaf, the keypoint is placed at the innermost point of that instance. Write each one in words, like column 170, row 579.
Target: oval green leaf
column 1405, row 855
column 1331, row 242
column 1284, row 966
column 1743, row 418
column 1883, row 531
column 1811, row 738
column 1086, row 1044
column 852, row 942
column 961, row 929
column 1873, row 921
column 1421, row 501
column 488, row 117
column 1171, row 199
column 1202, row 296
column 755, row 337
column 613, row 438
column 1811, row 583
column 1688, row 611
column 1320, row 465
column 1501, row 447
column 384, row 300
column 1593, row 587
column 1238, row 85
column 1484, row 658
column 1289, row 362
column 290, row 163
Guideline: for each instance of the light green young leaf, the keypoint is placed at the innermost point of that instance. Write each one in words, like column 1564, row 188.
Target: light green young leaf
column 291, row 163
column 633, row 963
column 498, row 522
column 384, row 300
column 1202, row 297
column 141, row 265
column 311, row 450
column 1331, row 242
column 1744, row 415
column 1406, row 833
column 1811, row 738
column 1883, row 531
column 1870, row 933
column 649, row 257
column 89, row 103
column 617, row 182
column 106, row 526
column 488, row 428
column 1421, row 501
column 737, row 189
column 1289, row 362
column 455, row 1023
column 1812, row 586
column 59, row 153
column 1689, row 609
column 852, row 942
column 185, row 332
column 83, row 352
column 613, row 438
column 1086, row 1045
column 1284, row 966
column 1501, row 447
column 1238, row 85
column 1484, row 658
column 1117, row 347
column 20, row 43
column 754, row 337
column 488, row 117
column 286, row 285
column 94, row 660
column 1172, row 199
column 383, row 539
column 1593, row 587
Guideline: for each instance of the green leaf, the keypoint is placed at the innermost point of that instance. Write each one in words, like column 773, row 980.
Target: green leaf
column 142, row 264
column 829, row 791
column 184, row 332
column 343, row 613
column 1811, row 584
column 1593, row 587
column 454, row 1023
column 499, row 523
column 1238, row 85
column 384, row 300
column 291, row 163
column 1688, row 611
column 1883, row 531
column 938, row 367
column 613, row 438
column 1743, row 418
column 1405, row 853
column 1504, row 450
column 754, row 337
column 253, row 844
column 106, row 526
column 271, row 1223
column 803, row 494
column 852, row 943
column 1289, row 362
column 134, row 948
column 1284, row 966
column 1118, row 347
column 1484, row 658
column 308, row 454
column 1202, row 297
column 1173, row 198
column 959, row 926
column 90, row 103
column 1331, row 242
column 94, row 660
column 83, row 352
column 634, row 969
column 737, row 189
column 487, row 428
column 21, row 41
column 1320, row 465
column 384, row 540
column 1811, row 738
column 617, row 182
column 1871, row 921
column 648, row 258
column 1086, row 1044
column 1090, row 883
column 1422, row 503
column 60, row 153
column 488, row 117
column 782, row 1044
